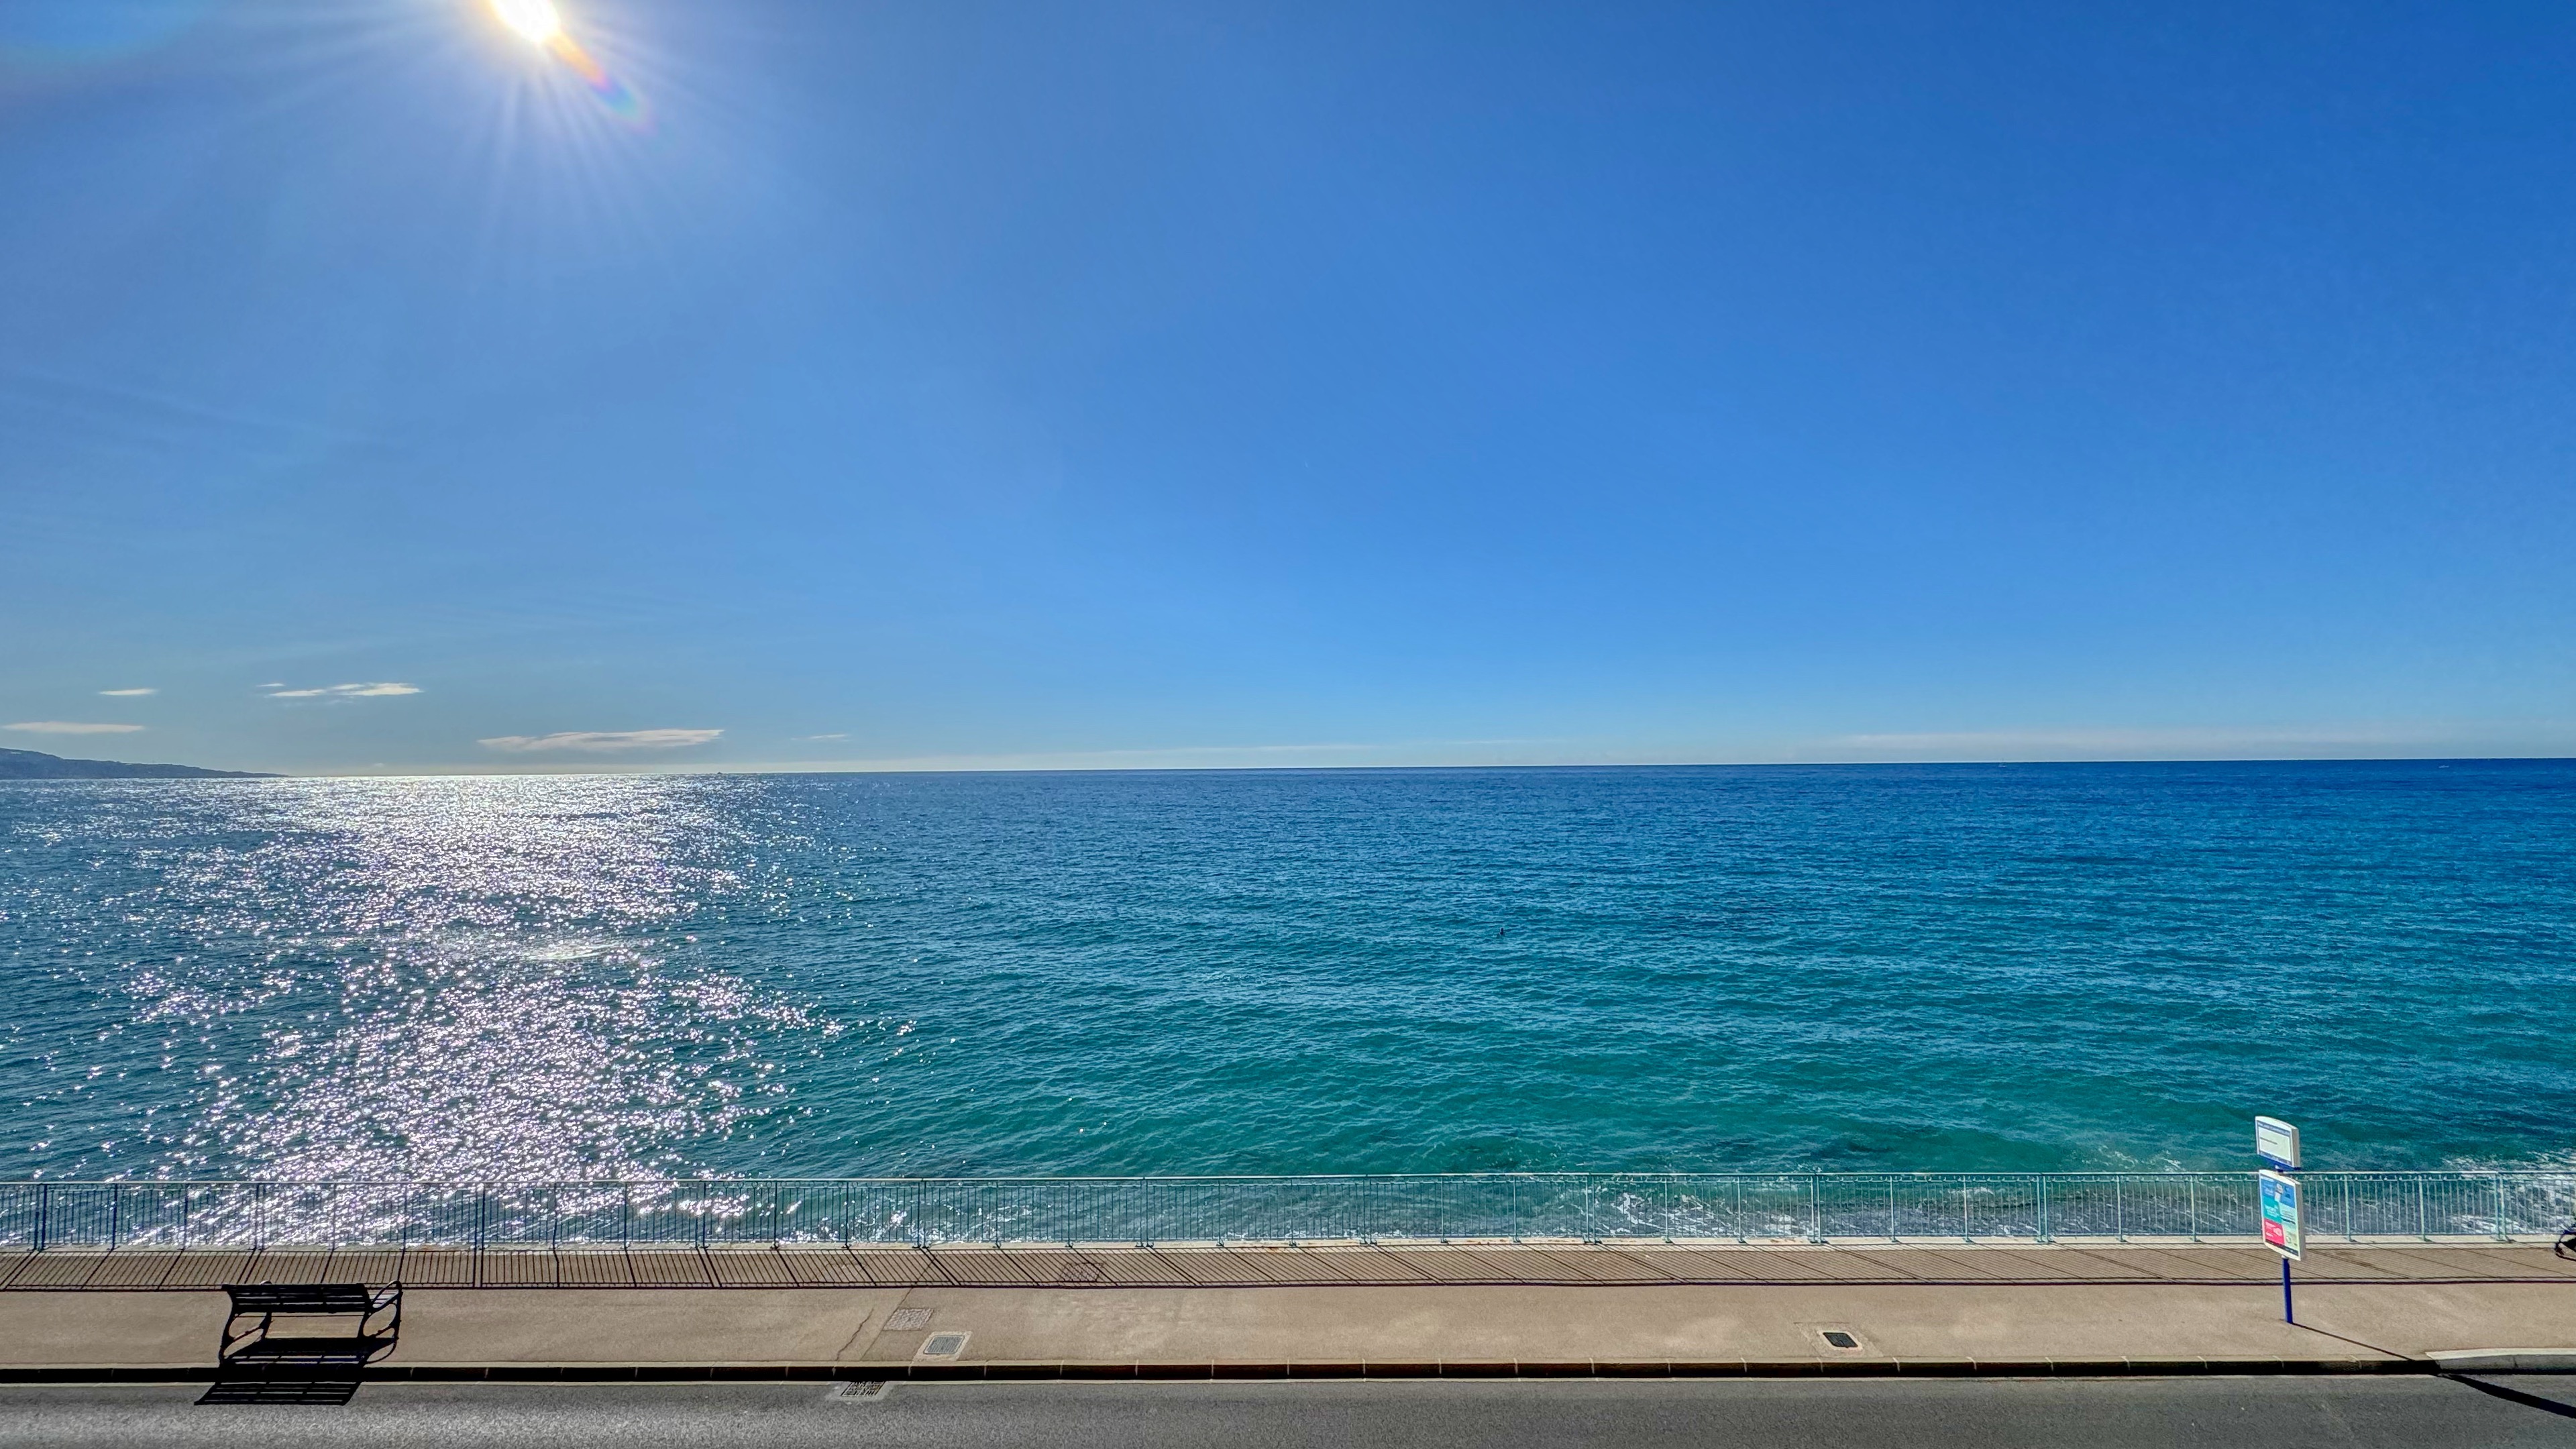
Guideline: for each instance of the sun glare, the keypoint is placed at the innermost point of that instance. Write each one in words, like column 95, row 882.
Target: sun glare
column 535, row 19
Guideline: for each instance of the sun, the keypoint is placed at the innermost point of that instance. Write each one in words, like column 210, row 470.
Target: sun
column 535, row 19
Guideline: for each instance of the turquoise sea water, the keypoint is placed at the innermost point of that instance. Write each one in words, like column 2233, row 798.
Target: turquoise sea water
column 2010, row 967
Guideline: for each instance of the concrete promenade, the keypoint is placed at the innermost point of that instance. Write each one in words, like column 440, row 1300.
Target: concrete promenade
column 1397, row 1311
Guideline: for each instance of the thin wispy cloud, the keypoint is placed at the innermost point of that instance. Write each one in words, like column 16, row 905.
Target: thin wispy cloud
column 809, row 739
column 127, row 693
column 1324, row 755
column 71, row 727
column 600, row 741
column 343, row 691
column 2112, row 743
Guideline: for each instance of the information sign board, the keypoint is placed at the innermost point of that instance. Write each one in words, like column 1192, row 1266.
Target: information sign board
column 2280, row 1197
column 2277, row 1142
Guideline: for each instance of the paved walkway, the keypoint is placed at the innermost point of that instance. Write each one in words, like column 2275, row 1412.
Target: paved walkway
column 1946, row 1310
column 1569, row 1264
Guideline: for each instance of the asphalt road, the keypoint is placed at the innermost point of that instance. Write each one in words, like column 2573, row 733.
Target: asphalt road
column 2276, row 1413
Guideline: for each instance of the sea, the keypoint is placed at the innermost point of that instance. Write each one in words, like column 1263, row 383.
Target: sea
column 1970, row 967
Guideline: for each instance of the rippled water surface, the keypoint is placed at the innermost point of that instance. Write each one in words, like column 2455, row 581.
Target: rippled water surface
column 1857, row 967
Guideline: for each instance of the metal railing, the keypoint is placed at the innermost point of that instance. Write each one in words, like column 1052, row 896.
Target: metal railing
column 1594, row 1207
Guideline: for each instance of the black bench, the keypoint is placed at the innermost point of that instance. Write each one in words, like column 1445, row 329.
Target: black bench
column 378, row 1312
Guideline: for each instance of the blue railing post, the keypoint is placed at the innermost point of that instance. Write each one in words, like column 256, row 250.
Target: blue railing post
column 44, row 1214
column 2041, row 1184
column 1815, row 1207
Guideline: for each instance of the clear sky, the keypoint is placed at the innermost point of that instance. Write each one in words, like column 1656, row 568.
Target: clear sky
column 1299, row 383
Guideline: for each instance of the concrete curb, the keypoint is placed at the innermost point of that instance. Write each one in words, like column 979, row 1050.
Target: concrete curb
column 1241, row 1372
column 2504, row 1360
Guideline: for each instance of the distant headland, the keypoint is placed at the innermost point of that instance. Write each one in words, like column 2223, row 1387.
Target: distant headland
column 35, row 765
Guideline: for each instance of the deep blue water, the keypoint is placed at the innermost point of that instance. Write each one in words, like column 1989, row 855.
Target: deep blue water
column 2023, row 966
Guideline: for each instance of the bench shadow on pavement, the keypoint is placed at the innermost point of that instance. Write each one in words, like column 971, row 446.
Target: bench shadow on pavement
column 264, row 1390
column 319, row 1357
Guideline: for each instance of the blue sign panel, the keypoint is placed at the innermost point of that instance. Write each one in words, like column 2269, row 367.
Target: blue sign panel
column 2280, row 1197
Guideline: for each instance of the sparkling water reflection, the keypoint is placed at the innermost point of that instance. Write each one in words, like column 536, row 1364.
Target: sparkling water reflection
column 392, row 979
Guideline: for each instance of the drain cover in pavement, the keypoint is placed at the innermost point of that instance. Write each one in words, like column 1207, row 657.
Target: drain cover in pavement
column 943, row 1345
column 903, row 1319
column 867, row 1392
column 1840, row 1338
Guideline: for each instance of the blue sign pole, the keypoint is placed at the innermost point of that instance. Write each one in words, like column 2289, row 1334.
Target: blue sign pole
column 2286, row 1315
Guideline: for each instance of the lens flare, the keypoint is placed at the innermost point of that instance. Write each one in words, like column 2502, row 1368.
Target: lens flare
column 541, row 24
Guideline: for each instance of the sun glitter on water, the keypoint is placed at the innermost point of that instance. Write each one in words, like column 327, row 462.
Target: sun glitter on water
column 541, row 25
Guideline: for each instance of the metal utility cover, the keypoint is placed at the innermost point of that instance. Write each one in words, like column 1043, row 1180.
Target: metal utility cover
column 904, row 1319
column 868, row 1392
column 944, row 1345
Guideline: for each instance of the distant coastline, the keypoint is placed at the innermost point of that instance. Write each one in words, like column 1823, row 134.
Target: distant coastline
column 37, row 765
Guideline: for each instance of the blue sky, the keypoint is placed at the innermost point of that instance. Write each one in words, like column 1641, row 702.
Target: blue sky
column 1207, row 383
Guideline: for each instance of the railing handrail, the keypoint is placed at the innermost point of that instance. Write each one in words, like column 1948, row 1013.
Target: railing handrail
column 1800, row 1174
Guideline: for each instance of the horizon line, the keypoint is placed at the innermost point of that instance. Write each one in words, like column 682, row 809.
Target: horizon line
column 885, row 768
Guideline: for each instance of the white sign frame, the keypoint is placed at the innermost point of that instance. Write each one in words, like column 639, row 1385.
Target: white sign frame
column 2277, row 1142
